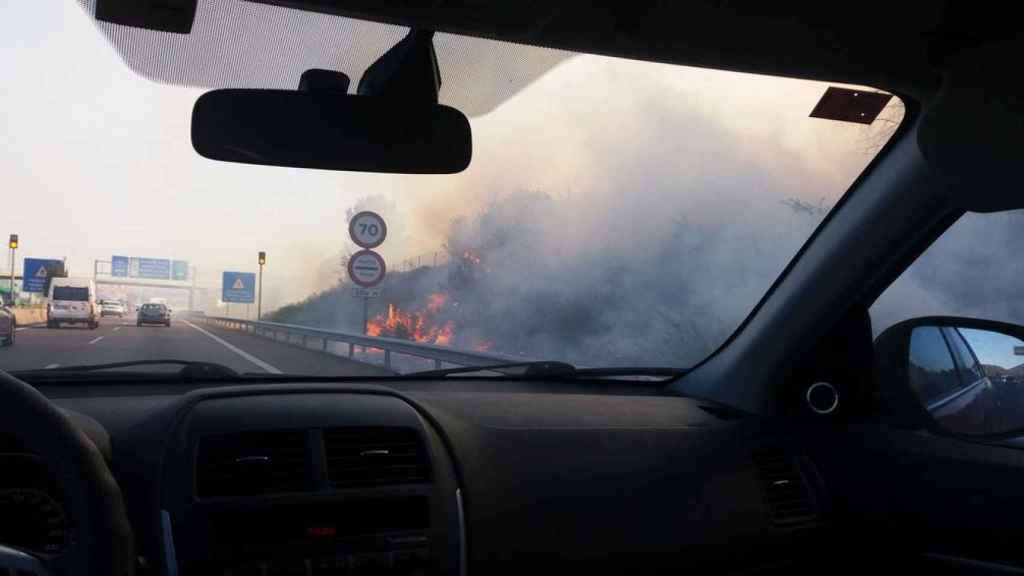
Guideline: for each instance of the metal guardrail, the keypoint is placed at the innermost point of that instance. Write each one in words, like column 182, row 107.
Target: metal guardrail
column 439, row 354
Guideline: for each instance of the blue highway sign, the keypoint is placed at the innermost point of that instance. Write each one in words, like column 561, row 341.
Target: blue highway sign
column 154, row 268
column 119, row 266
column 37, row 273
column 179, row 270
column 238, row 287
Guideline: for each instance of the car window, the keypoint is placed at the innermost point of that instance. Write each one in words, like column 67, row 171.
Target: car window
column 973, row 269
column 967, row 365
column 615, row 213
column 931, row 370
column 72, row 293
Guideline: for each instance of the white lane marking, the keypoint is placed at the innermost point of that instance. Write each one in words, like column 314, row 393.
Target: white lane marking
column 20, row 329
column 96, row 339
column 267, row 367
column 51, row 366
column 116, row 328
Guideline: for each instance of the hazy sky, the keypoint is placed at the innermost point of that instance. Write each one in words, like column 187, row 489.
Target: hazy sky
column 97, row 160
column 994, row 348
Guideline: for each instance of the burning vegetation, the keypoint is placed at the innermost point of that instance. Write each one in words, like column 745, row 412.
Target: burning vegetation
column 435, row 319
column 519, row 281
column 423, row 325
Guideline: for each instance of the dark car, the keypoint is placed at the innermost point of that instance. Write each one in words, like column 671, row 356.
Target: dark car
column 154, row 314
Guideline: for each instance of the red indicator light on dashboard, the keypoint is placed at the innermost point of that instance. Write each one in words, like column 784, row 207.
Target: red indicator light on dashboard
column 321, row 531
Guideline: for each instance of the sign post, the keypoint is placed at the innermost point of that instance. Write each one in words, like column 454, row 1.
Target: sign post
column 12, row 243
column 259, row 298
column 366, row 268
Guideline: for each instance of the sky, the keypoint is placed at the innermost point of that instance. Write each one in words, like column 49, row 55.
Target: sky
column 994, row 348
column 97, row 159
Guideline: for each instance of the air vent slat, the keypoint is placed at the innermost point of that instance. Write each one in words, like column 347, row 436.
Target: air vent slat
column 787, row 496
column 252, row 463
column 374, row 457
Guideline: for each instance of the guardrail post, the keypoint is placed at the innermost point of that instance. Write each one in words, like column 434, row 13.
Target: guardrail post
column 387, row 358
column 437, row 364
column 351, row 350
column 304, row 345
column 323, row 345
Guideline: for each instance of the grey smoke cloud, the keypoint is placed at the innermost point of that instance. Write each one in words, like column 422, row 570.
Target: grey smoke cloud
column 974, row 269
column 652, row 257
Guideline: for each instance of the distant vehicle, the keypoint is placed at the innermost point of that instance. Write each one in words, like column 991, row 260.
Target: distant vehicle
column 151, row 313
column 72, row 301
column 8, row 323
column 111, row 308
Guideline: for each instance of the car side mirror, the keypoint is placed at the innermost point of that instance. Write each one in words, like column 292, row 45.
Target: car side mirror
column 958, row 376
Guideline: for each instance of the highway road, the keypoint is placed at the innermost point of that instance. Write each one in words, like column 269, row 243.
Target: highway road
column 120, row 340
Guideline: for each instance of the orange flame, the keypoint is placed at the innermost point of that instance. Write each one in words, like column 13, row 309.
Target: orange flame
column 415, row 326
column 436, row 301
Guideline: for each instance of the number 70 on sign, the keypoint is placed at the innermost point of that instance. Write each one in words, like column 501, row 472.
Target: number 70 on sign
column 367, row 229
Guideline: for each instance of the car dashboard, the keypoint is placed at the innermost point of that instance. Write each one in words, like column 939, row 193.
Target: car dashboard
column 449, row 478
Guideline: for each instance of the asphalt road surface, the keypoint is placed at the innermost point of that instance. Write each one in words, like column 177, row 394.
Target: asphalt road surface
column 120, row 340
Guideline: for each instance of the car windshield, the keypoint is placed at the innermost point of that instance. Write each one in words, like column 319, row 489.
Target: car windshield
column 615, row 212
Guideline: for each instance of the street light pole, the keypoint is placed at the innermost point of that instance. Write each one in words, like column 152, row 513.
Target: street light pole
column 12, row 243
column 259, row 295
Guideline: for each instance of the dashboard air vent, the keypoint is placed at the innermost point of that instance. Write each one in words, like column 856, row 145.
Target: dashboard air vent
column 374, row 457
column 251, row 463
column 787, row 495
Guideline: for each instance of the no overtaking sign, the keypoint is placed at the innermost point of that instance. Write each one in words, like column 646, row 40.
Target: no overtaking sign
column 366, row 268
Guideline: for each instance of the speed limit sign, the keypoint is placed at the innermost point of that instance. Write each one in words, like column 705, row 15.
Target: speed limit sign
column 367, row 229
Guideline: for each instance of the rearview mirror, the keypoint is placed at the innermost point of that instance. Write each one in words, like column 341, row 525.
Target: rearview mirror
column 965, row 376
column 330, row 131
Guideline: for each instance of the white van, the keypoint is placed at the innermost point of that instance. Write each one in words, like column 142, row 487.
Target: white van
column 72, row 301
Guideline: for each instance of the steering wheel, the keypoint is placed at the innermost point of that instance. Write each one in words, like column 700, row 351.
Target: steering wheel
column 102, row 541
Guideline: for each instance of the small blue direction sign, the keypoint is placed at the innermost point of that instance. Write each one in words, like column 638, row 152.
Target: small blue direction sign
column 179, row 270
column 238, row 287
column 119, row 266
column 37, row 273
